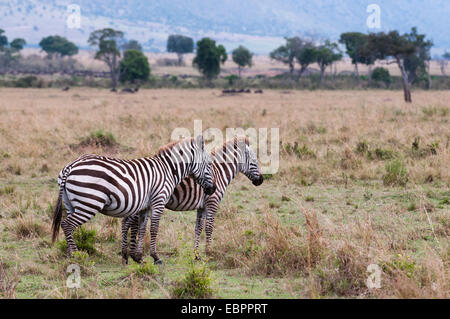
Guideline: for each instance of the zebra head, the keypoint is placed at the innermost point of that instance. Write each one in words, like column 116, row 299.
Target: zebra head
column 202, row 167
column 250, row 167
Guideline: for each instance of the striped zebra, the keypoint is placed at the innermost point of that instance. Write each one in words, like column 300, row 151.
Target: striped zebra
column 96, row 184
column 233, row 157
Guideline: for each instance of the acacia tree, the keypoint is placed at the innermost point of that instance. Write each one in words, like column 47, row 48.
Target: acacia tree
column 131, row 45
column 106, row 40
column 416, row 63
column 354, row 44
column 9, row 52
column 400, row 48
column 327, row 54
column 209, row 57
column 306, row 56
column 180, row 45
column 134, row 67
column 287, row 53
column 56, row 46
column 242, row 57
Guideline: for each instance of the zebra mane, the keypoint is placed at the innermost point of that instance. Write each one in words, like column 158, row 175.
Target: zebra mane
column 229, row 143
column 169, row 146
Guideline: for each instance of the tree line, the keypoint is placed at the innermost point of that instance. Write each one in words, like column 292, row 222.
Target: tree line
column 127, row 63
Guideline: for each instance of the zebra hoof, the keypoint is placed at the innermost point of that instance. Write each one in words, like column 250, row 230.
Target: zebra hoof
column 137, row 258
column 158, row 262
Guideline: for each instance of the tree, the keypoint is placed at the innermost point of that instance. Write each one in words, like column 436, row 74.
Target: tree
column 327, row 54
column 443, row 62
column 242, row 57
column 401, row 48
column 3, row 39
column 134, row 67
column 17, row 44
column 209, row 57
column 354, row 43
column 56, row 46
column 9, row 52
column 286, row 53
column 416, row 63
column 106, row 40
column 131, row 45
column 306, row 56
column 180, row 45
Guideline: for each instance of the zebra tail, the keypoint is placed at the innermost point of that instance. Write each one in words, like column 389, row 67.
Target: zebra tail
column 57, row 217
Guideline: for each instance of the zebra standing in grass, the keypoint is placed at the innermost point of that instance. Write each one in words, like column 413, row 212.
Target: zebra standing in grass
column 233, row 157
column 96, row 184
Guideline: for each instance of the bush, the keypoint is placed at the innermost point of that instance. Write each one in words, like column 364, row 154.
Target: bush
column 28, row 82
column 195, row 284
column 301, row 152
column 134, row 67
column 382, row 75
column 396, row 173
column 147, row 268
column 99, row 138
column 84, row 239
column 28, row 228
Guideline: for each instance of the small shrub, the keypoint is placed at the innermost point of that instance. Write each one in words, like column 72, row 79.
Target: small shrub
column 84, row 239
column 99, row 138
column 14, row 169
column 412, row 207
column 362, row 147
column 384, row 154
column 7, row 190
column 429, row 111
column 381, row 75
column 196, row 282
column 231, row 79
column 81, row 258
column 27, row 227
column 147, row 268
column 402, row 263
column 27, row 82
column 301, row 152
column 396, row 173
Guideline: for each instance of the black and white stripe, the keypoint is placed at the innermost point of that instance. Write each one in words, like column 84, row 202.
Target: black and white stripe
column 233, row 157
column 97, row 184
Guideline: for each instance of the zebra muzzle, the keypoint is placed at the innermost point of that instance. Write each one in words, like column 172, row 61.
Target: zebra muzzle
column 258, row 181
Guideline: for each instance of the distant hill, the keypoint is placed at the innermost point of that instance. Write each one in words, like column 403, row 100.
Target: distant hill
column 258, row 24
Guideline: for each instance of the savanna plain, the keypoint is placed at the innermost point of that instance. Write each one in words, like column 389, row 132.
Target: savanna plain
column 363, row 179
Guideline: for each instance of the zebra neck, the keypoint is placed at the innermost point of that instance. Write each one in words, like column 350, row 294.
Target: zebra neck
column 225, row 171
column 179, row 169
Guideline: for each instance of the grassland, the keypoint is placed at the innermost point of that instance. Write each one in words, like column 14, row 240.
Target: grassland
column 363, row 179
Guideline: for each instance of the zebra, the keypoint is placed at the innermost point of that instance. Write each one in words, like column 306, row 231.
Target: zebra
column 233, row 157
column 97, row 184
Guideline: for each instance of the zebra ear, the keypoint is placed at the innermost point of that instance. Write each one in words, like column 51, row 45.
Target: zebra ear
column 200, row 142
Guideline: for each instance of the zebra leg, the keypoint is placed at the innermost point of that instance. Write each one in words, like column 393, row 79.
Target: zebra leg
column 154, row 225
column 198, row 230
column 70, row 223
column 125, row 227
column 209, row 228
column 137, row 253
column 133, row 223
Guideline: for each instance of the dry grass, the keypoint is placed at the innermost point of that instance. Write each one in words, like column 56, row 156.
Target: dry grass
column 310, row 230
